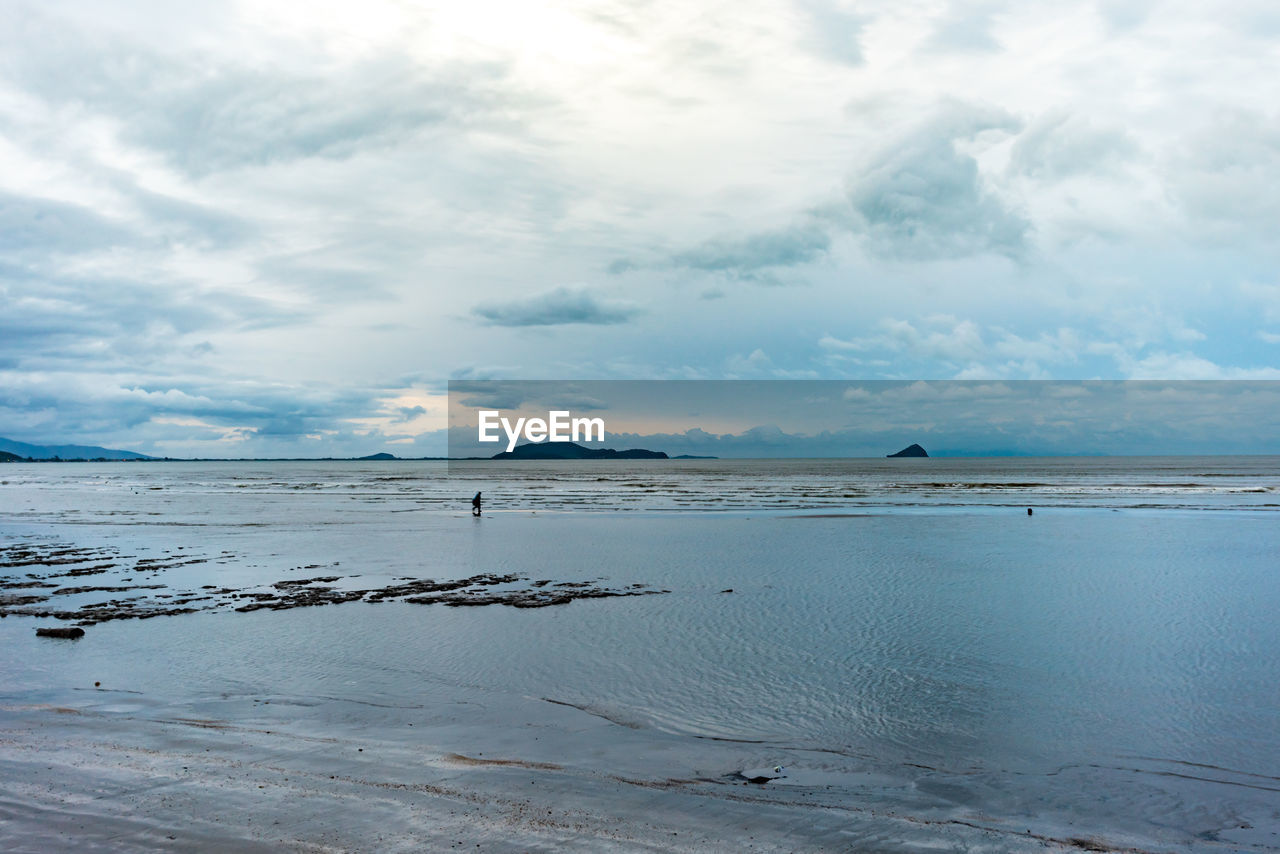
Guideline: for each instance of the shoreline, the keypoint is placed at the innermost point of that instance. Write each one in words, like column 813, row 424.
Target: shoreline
column 128, row 774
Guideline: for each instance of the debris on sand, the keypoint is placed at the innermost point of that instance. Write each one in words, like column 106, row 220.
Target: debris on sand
column 26, row 595
column 70, row 632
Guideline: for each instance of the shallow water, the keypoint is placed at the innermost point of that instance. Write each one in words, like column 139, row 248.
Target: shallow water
column 198, row 493
column 1110, row 660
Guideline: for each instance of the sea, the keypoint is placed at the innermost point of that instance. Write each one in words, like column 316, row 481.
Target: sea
column 1080, row 649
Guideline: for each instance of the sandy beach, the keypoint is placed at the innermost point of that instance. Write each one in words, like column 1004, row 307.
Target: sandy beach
column 320, row 657
column 112, row 772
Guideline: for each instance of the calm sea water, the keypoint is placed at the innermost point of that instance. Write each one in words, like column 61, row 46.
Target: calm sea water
column 1113, row 656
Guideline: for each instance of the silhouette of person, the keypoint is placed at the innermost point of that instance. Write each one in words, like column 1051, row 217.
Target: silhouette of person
column 475, row 505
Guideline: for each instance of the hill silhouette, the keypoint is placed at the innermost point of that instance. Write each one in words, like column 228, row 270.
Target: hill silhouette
column 66, row 452
column 574, row 451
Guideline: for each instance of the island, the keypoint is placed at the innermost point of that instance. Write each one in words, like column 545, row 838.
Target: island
column 574, row 451
column 910, row 451
column 24, row 452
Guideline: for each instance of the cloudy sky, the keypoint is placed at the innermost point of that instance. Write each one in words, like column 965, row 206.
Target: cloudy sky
column 269, row 228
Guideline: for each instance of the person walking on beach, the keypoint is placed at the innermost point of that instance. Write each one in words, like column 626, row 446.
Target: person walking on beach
column 475, row 505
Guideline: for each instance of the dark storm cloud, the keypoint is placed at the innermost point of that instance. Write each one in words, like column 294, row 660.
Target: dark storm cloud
column 558, row 307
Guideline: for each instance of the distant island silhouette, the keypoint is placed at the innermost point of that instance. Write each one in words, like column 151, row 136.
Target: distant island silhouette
column 574, row 451
column 15, row 451
column 12, row 451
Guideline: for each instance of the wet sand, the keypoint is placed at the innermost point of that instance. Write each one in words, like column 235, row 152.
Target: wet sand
column 32, row 593
column 139, row 763
column 113, row 771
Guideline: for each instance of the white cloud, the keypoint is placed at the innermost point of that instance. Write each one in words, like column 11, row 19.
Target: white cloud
column 919, row 197
column 1061, row 145
column 1223, row 173
column 263, row 216
column 943, row 337
column 1187, row 366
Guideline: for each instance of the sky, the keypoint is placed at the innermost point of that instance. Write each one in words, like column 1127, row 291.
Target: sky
column 280, row 228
